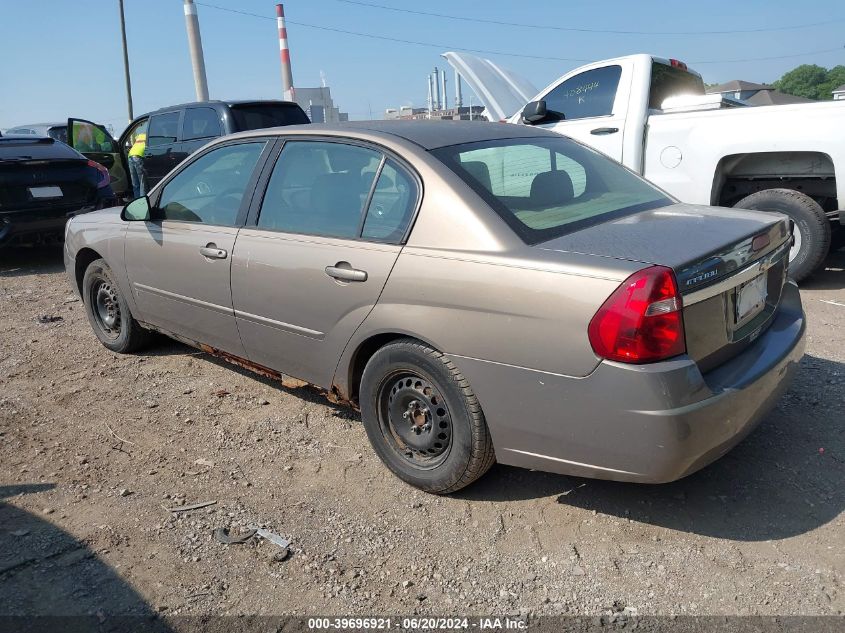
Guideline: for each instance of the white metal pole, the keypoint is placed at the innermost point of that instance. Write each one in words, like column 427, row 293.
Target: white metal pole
column 192, row 24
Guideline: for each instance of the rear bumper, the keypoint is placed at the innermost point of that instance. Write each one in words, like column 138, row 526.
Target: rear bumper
column 47, row 221
column 650, row 423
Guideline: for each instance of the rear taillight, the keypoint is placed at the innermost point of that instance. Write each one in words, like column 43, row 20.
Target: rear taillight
column 678, row 64
column 104, row 178
column 642, row 321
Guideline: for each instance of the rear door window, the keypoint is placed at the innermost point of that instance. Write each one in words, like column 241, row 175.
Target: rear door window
column 392, row 205
column 163, row 129
column 201, row 123
column 319, row 188
column 588, row 94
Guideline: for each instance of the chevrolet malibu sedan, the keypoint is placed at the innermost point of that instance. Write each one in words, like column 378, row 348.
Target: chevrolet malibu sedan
column 482, row 292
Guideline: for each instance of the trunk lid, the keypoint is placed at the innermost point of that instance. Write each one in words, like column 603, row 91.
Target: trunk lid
column 33, row 184
column 730, row 266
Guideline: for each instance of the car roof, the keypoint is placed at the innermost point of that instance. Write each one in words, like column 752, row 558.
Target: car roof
column 43, row 125
column 213, row 102
column 427, row 134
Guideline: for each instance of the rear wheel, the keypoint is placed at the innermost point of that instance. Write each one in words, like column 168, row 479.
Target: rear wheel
column 423, row 419
column 108, row 311
column 812, row 228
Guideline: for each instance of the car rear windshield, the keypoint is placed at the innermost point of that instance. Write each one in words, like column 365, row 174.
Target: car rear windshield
column 256, row 116
column 670, row 81
column 546, row 187
column 34, row 148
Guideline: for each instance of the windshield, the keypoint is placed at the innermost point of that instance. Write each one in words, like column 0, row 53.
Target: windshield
column 256, row 116
column 668, row 81
column 547, row 187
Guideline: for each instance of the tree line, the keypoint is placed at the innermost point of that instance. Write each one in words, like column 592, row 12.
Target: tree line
column 812, row 81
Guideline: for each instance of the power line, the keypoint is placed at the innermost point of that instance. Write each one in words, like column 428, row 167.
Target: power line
column 549, row 27
column 761, row 59
column 394, row 39
column 443, row 47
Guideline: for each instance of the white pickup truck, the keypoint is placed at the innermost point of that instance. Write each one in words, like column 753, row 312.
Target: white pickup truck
column 654, row 117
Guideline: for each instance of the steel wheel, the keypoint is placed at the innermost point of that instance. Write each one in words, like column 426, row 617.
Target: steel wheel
column 108, row 313
column 106, row 308
column 415, row 420
column 423, row 419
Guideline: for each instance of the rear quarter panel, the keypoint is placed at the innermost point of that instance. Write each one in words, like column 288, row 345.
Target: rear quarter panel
column 501, row 309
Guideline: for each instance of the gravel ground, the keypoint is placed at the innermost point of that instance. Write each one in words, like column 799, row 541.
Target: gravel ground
column 94, row 447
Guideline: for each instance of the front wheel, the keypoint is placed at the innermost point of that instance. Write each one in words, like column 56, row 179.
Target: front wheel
column 423, row 419
column 811, row 231
column 108, row 311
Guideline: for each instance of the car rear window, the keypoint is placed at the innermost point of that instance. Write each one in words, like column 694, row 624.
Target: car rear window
column 669, row 81
column 256, row 116
column 34, row 148
column 546, row 187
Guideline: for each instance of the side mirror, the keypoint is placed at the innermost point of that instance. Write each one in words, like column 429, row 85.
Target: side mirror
column 534, row 112
column 136, row 211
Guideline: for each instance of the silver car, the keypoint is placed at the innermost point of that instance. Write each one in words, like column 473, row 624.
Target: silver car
column 482, row 292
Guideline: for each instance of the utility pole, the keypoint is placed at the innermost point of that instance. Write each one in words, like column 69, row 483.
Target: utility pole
column 192, row 24
column 126, row 62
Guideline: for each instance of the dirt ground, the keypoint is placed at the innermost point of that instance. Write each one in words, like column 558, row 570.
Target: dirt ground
column 95, row 447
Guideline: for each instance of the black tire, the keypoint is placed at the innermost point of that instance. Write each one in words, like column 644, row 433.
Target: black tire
column 811, row 225
column 108, row 312
column 451, row 443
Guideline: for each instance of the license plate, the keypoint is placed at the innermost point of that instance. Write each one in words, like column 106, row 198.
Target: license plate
column 751, row 297
column 45, row 192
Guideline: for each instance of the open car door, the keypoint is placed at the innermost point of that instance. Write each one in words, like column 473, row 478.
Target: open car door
column 94, row 141
column 504, row 93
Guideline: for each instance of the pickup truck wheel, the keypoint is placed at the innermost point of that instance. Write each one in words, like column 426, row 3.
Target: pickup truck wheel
column 423, row 419
column 108, row 312
column 812, row 228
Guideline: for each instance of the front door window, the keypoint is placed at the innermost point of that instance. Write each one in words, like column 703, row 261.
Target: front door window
column 211, row 189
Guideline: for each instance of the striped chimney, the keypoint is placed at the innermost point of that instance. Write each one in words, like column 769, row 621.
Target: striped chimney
column 284, row 54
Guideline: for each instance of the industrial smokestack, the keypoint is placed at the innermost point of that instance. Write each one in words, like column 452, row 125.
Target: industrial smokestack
column 430, row 96
column 437, row 102
column 284, row 53
column 192, row 24
column 445, row 97
column 459, row 101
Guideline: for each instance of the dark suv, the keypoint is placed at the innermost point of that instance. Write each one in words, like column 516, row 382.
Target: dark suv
column 175, row 132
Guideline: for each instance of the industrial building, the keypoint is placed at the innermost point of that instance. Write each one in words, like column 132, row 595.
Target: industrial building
column 438, row 103
column 409, row 113
column 318, row 105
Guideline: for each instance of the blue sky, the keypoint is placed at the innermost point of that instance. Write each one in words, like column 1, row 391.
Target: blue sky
column 63, row 57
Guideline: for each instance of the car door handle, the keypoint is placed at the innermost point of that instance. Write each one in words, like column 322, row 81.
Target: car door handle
column 212, row 252
column 600, row 131
column 342, row 271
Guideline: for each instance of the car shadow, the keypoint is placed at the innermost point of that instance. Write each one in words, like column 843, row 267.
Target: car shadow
column 785, row 479
column 50, row 580
column 16, row 261
column 830, row 275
